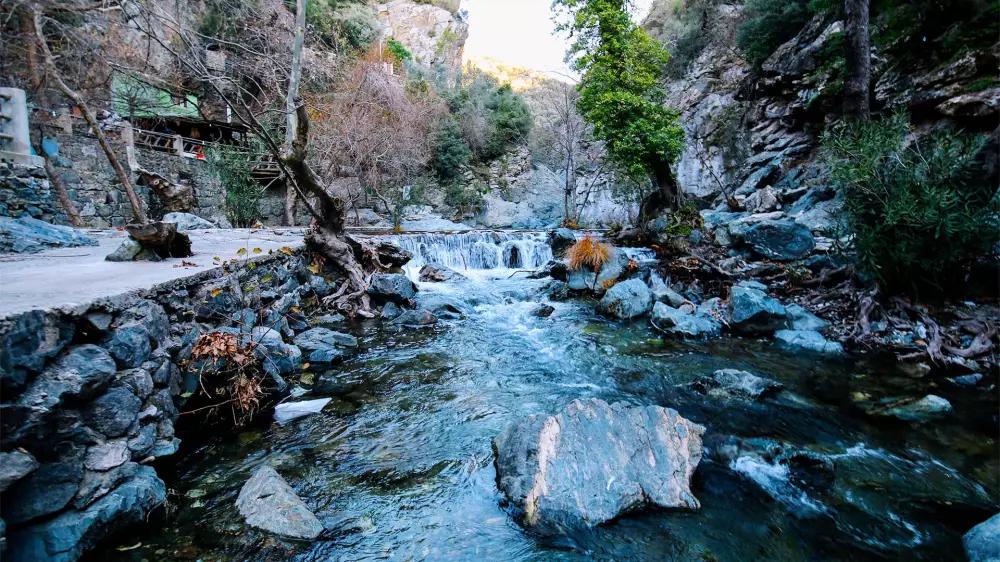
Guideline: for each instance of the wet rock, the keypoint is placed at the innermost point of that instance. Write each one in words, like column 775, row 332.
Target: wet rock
column 809, row 340
column 802, row 319
column 14, row 466
column 780, row 240
column 46, row 490
column 561, row 239
column 967, row 381
column 267, row 502
column 584, row 279
column 434, row 273
column 555, row 269
column 626, row 300
column 734, row 383
column 558, row 291
column 593, row 461
column 982, row 542
column 107, row 455
column 32, row 339
column 416, row 319
column 391, row 310
column 752, row 311
column 543, row 311
column 66, row 537
column 928, row 408
column 328, row 320
column 392, row 287
column 187, row 221
column 30, row 235
column 278, row 358
column 442, row 306
column 319, row 337
column 113, row 412
column 129, row 345
column 288, row 411
column 684, row 322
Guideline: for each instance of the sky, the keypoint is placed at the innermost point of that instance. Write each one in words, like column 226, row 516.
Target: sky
column 520, row 33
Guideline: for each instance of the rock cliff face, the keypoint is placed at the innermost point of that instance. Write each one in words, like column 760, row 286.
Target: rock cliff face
column 754, row 134
column 434, row 32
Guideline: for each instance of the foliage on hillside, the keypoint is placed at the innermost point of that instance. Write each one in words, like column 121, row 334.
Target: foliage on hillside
column 920, row 212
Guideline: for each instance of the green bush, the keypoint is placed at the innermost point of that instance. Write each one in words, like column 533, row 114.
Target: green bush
column 243, row 192
column 398, row 51
column 347, row 24
column 921, row 213
column 451, row 152
column 768, row 24
column 510, row 121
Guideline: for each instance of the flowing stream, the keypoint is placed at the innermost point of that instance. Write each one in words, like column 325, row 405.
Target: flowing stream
column 399, row 465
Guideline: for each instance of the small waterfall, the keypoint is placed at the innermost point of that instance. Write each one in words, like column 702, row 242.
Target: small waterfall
column 476, row 249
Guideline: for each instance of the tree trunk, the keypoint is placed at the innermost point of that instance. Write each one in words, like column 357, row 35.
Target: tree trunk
column 858, row 59
column 293, row 94
column 137, row 213
column 61, row 192
column 175, row 198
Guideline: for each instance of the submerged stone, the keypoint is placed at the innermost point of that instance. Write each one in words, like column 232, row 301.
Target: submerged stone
column 734, row 383
column 809, row 340
column 267, row 502
column 679, row 322
column 593, row 461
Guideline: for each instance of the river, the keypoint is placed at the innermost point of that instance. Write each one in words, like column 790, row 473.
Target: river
column 399, row 465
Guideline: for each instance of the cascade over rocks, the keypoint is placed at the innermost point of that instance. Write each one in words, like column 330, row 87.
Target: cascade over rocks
column 594, row 461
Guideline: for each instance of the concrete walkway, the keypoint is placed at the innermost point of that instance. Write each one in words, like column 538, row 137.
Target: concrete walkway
column 69, row 277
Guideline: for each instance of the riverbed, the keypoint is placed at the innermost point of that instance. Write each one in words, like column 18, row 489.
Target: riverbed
column 399, row 465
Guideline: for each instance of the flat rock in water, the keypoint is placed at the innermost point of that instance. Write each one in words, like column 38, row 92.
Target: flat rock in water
column 734, row 383
column 594, row 461
column 809, row 340
column 288, row 411
column 267, row 502
column 679, row 322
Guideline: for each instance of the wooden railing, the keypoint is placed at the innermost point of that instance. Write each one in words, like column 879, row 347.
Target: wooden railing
column 262, row 165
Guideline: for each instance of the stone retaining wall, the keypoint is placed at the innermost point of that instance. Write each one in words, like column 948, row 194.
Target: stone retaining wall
column 90, row 397
column 25, row 190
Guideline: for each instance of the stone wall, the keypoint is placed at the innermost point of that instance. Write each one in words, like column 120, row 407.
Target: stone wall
column 102, row 203
column 25, row 190
column 90, row 397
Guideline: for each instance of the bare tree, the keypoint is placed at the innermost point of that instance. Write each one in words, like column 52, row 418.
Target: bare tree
column 294, row 78
column 138, row 215
column 858, row 60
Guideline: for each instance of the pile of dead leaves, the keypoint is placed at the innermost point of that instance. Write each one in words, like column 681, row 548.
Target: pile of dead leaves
column 223, row 346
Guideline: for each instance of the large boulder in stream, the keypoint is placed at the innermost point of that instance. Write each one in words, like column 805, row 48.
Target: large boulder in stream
column 392, row 287
column 982, row 542
column 752, row 311
column 435, row 273
column 594, row 461
column 267, row 502
column 626, row 300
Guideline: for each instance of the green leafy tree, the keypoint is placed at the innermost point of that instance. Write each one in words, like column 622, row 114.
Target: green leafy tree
column 621, row 94
column 451, row 152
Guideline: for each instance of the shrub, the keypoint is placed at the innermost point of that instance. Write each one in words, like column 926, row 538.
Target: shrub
column 398, row 51
column 510, row 121
column 243, row 192
column 348, row 24
column 451, row 152
column 921, row 213
column 588, row 252
column 492, row 117
column 768, row 24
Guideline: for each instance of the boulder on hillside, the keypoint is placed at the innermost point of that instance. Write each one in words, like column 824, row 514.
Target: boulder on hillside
column 782, row 240
column 267, row 502
column 594, row 461
column 626, row 300
column 392, row 287
column 684, row 322
column 982, row 542
column 752, row 311
column 29, row 235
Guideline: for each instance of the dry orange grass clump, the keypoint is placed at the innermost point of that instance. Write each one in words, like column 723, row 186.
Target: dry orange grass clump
column 588, row 252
